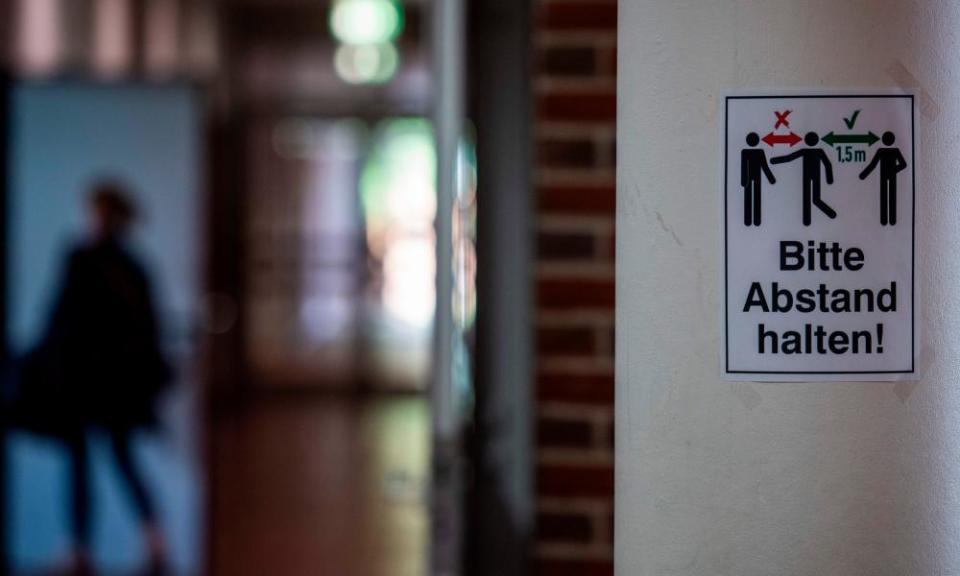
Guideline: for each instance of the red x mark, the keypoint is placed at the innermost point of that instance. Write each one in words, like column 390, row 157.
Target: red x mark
column 782, row 118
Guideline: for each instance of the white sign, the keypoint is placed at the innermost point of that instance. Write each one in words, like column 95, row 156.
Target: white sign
column 818, row 236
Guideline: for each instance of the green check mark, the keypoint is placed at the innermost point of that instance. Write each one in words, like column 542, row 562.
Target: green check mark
column 851, row 120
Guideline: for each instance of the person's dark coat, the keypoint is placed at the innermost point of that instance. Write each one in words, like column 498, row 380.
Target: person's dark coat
column 100, row 361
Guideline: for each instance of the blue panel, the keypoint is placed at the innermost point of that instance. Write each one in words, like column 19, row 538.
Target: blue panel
column 65, row 136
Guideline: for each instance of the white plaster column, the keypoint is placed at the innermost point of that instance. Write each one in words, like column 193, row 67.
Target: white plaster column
column 743, row 479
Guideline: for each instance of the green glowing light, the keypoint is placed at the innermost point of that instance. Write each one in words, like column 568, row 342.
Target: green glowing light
column 364, row 22
column 399, row 176
column 366, row 64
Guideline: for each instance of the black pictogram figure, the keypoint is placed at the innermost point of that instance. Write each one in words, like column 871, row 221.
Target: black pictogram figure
column 891, row 163
column 813, row 158
column 753, row 165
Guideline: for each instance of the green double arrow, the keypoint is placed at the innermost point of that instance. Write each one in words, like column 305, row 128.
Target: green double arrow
column 869, row 138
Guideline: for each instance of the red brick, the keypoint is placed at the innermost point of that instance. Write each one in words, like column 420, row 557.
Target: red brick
column 612, row 152
column 575, row 480
column 564, row 527
column 612, row 246
column 597, row 15
column 567, row 294
column 613, row 436
column 551, row 567
column 566, row 341
column 610, row 61
column 567, row 154
column 578, row 90
column 611, row 525
column 587, row 200
column 567, row 61
column 613, row 341
column 596, row 390
column 566, row 246
column 563, row 433
column 578, row 105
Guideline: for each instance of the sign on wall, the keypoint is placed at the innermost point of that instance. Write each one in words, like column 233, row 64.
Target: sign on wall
column 818, row 233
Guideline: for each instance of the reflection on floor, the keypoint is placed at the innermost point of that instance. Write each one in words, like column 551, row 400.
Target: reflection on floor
column 321, row 486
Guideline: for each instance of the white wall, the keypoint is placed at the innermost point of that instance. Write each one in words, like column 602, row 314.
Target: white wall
column 746, row 479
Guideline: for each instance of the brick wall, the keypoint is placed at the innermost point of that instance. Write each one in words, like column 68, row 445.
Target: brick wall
column 574, row 77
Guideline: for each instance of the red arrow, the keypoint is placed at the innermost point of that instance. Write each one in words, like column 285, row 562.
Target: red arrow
column 771, row 139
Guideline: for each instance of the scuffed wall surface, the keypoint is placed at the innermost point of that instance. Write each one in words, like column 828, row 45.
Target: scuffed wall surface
column 743, row 479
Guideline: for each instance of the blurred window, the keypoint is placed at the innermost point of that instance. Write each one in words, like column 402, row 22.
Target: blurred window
column 342, row 252
column 39, row 35
column 100, row 39
column 162, row 37
column 112, row 42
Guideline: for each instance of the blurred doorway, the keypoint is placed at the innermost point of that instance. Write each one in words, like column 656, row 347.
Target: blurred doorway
column 321, row 448
column 337, row 353
column 340, row 253
column 64, row 135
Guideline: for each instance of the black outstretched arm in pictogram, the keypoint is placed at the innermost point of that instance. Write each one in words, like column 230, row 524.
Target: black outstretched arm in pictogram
column 894, row 155
column 788, row 158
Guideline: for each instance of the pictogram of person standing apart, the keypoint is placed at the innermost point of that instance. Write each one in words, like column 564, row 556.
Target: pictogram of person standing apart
column 753, row 165
column 891, row 163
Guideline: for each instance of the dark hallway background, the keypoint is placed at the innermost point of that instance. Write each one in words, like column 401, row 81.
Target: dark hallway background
column 382, row 232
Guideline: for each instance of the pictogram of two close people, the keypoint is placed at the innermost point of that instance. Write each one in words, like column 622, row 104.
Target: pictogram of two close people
column 754, row 166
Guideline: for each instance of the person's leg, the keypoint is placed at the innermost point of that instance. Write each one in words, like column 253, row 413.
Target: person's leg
column 123, row 455
column 748, row 204
column 884, row 202
column 807, row 200
column 80, row 500
column 756, row 203
column 892, row 201
column 823, row 206
column 79, row 496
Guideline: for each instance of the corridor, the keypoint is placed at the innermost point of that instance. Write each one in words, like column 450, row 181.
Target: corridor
column 327, row 481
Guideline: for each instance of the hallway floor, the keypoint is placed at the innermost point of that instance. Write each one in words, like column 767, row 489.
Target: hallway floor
column 321, row 486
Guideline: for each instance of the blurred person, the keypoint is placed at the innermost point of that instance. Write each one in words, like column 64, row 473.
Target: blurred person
column 101, row 367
